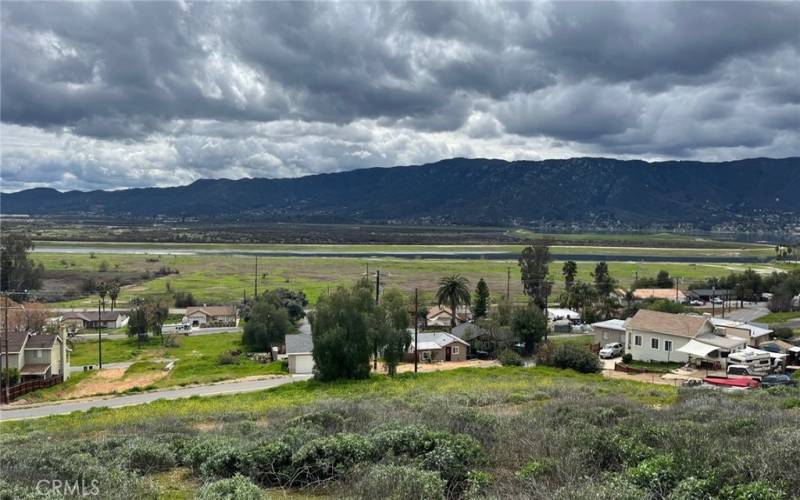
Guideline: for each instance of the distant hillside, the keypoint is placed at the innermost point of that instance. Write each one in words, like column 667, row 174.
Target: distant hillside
column 465, row 191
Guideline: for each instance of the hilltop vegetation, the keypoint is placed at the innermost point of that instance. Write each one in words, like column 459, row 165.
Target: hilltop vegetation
column 599, row 191
column 470, row 433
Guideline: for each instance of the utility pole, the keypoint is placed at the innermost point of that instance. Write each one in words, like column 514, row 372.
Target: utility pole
column 6, row 357
column 416, row 329
column 713, row 297
column 377, row 286
column 100, row 339
column 676, row 288
column 508, row 284
column 255, row 281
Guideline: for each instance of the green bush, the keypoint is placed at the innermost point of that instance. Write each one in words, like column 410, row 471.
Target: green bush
column 692, row 488
column 228, row 358
column 656, row 474
column 783, row 333
column 269, row 464
column 146, row 456
column 411, row 441
column 236, row 488
column 577, row 358
column 509, row 358
column 536, row 469
column 331, row 457
column 171, row 341
column 194, row 452
column 453, row 458
column 400, row 482
column 223, row 462
column 627, row 358
column 757, row 490
column 13, row 375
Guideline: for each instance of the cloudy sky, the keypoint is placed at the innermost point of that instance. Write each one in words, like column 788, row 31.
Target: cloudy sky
column 110, row 95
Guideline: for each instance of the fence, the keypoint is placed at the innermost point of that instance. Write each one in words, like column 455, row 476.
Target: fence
column 18, row 390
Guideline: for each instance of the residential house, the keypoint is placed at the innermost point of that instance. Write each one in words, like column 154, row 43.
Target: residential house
column 478, row 337
column 659, row 293
column 657, row 336
column 87, row 320
column 609, row 332
column 211, row 315
column 35, row 356
column 707, row 294
column 753, row 334
column 438, row 346
column 558, row 314
column 299, row 348
column 441, row 316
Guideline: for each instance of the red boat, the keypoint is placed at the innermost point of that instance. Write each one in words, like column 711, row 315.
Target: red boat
column 744, row 382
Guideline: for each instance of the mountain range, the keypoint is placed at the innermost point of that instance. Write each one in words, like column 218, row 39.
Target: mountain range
column 464, row 191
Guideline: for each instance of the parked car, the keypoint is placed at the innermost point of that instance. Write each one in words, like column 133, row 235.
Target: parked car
column 696, row 303
column 478, row 355
column 741, row 371
column 776, row 380
column 612, row 350
column 716, row 300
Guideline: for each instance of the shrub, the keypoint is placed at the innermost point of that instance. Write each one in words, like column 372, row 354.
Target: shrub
column 194, row 452
column 330, row 457
column 627, row 358
column 171, row 341
column 145, row 456
column 757, row 490
column 411, row 441
column 509, row 358
column 269, row 463
column 13, row 376
column 544, row 354
column 477, row 483
column 454, row 457
column 228, row 358
column 576, row 358
column 225, row 461
column 399, row 482
column 783, row 333
column 535, row 469
column 183, row 299
column 656, row 474
column 236, row 488
column 692, row 488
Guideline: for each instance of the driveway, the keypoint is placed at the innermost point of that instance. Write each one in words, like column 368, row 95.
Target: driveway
column 46, row 410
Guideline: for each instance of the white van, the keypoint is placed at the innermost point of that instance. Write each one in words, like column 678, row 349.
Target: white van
column 758, row 361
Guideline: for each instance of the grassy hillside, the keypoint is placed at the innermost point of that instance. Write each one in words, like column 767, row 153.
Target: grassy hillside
column 496, row 433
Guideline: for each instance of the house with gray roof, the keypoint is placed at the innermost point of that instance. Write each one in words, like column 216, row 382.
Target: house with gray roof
column 35, row 356
column 438, row 346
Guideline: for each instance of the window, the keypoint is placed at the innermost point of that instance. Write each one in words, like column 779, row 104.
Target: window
column 38, row 354
column 637, row 340
column 455, row 349
column 667, row 345
column 654, row 343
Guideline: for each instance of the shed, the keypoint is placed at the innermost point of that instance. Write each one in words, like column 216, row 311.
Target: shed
column 299, row 351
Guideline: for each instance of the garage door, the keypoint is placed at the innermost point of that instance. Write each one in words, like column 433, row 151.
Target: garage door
column 303, row 363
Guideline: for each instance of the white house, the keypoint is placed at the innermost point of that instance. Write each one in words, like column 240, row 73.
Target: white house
column 36, row 356
column 299, row 349
column 557, row 313
column 217, row 315
column 753, row 334
column 657, row 336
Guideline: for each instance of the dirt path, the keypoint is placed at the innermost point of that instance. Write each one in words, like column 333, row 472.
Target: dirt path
column 436, row 367
column 113, row 381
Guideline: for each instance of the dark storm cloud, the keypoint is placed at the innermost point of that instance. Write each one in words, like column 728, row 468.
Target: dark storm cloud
column 150, row 92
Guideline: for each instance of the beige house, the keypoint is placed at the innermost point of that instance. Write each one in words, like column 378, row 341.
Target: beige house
column 35, row 356
column 438, row 346
column 609, row 332
column 441, row 316
column 211, row 315
column 86, row 320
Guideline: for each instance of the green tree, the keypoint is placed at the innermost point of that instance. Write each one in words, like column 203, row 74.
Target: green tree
column 454, row 292
column 569, row 270
column 603, row 281
column 113, row 292
column 156, row 313
column 340, row 328
column 481, row 307
column 267, row 327
column 663, row 280
column 578, row 296
column 102, row 291
column 529, row 326
column 533, row 265
column 17, row 271
column 137, row 321
column 393, row 319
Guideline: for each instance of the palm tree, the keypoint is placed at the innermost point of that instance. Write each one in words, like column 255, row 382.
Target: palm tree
column 453, row 291
column 113, row 293
column 570, row 270
column 102, row 290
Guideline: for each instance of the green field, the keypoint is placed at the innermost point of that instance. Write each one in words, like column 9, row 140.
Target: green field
column 220, row 279
column 476, row 433
column 778, row 318
column 197, row 361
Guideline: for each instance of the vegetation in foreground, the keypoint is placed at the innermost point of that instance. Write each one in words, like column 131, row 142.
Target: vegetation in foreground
column 470, row 433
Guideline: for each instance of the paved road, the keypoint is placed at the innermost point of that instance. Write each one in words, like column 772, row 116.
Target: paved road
column 751, row 311
column 147, row 397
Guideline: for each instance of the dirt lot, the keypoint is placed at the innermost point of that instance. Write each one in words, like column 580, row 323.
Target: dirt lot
column 435, row 367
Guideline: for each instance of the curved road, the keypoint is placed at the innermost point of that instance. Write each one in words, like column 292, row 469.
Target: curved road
column 46, row 410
